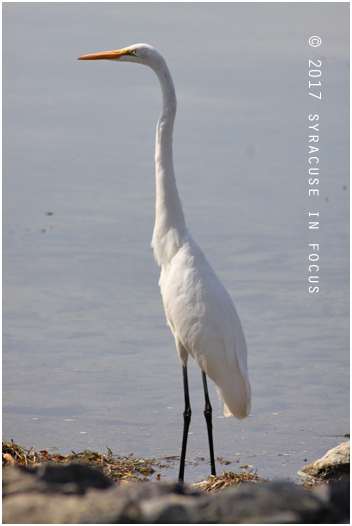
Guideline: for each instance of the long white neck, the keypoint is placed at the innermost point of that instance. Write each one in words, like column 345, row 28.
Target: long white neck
column 170, row 228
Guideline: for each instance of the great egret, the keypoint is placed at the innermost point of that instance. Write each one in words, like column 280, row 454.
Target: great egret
column 198, row 308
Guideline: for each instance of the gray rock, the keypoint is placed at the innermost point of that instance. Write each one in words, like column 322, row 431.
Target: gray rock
column 60, row 495
column 276, row 502
column 337, row 496
column 72, row 478
column 335, row 464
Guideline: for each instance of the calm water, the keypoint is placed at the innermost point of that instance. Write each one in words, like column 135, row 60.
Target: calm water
column 88, row 360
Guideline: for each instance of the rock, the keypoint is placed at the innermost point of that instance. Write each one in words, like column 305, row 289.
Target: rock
column 80, row 477
column 334, row 465
column 337, row 496
column 73, row 478
column 83, row 495
column 276, row 502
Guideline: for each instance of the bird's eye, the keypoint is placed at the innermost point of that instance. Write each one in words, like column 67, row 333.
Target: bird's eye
column 133, row 52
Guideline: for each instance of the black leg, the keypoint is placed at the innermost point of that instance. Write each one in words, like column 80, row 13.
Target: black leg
column 207, row 414
column 186, row 421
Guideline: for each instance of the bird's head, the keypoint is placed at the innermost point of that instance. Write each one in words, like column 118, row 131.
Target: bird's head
column 140, row 53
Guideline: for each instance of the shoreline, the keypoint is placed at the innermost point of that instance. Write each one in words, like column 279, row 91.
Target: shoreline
column 130, row 468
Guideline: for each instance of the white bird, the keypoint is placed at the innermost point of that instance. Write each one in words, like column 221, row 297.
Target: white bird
column 198, row 308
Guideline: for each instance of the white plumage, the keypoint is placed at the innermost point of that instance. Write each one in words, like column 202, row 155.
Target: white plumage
column 204, row 320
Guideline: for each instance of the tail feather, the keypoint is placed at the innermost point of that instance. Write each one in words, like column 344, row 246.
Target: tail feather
column 236, row 400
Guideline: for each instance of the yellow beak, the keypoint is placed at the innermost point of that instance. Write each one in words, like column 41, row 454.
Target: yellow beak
column 108, row 55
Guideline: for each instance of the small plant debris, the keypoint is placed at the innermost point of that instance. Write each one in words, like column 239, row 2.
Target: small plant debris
column 215, row 484
column 118, row 468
